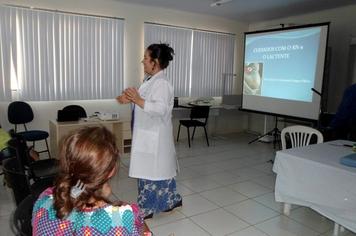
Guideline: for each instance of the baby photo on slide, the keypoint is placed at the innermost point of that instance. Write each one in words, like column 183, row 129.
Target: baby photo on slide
column 253, row 78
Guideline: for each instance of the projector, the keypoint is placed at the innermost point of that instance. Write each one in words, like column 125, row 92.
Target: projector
column 108, row 116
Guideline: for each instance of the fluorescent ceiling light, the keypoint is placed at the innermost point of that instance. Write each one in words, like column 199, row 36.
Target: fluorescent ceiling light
column 219, row 3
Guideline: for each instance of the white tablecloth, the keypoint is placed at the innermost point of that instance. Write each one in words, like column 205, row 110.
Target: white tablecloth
column 313, row 176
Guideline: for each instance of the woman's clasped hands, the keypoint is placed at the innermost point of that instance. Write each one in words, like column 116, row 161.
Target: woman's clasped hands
column 130, row 95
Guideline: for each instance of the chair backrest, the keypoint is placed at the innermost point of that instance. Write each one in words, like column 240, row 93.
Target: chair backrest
column 300, row 135
column 16, row 179
column 78, row 110
column 18, row 143
column 19, row 113
column 22, row 217
column 200, row 112
column 6, row 153
column 351, row 134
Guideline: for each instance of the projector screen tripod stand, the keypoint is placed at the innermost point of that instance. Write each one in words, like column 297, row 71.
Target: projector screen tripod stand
column 275, row 133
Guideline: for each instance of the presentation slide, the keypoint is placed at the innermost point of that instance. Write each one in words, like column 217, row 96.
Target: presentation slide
column 280, row 69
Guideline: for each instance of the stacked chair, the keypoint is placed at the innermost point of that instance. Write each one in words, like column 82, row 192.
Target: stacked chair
column 36, row 170
column 28, row 179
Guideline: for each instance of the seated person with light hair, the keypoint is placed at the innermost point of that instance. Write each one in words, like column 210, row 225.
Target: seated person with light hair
column 79, row 202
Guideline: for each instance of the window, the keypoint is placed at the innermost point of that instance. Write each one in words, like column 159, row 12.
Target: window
column 180, row 40
column 202, row 58
column 5, row 52
column 61, row 56
column 213, row 57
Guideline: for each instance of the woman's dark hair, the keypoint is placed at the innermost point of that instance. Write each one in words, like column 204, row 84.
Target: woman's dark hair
column 89, row 155
column 163, row 52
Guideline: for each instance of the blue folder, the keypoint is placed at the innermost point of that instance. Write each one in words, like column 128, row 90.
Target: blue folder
column 349, row 160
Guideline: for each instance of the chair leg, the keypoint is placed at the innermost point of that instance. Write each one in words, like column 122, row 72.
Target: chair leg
column 178, row 132
column 286, row 209
column 206, row 136
column 49, row 154
column 193, row 132
column 188, row 136
column 336, row 229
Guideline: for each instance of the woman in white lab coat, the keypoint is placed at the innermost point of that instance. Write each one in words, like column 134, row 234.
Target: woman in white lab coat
column 153, row 158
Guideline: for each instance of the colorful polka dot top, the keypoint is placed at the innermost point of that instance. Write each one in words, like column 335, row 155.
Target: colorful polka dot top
column 107, row 220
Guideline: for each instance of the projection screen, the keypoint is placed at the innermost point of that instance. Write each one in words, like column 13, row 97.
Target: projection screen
column 280, row 69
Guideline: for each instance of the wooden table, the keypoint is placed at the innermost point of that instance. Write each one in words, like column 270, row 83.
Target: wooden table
column 120, row 128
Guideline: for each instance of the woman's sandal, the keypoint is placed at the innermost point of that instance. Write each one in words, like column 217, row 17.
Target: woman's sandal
column 178, row 204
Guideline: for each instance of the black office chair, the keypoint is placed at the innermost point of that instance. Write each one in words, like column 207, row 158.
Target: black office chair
column 17, row 179
column 197, row 114
column 37, row 170
column 20, row 113
column 22, row 217
column 5, row 154
column 77, row 110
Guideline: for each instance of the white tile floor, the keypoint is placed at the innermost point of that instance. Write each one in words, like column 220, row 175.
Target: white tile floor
column 227, row 189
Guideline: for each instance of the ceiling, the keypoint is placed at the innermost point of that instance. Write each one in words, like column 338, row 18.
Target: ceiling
column 247, row 10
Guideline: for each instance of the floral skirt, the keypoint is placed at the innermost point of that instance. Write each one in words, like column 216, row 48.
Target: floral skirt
column 157, row 196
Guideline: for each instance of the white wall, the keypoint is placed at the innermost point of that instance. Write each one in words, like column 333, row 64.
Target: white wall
column 135, row 16
column 342, row 30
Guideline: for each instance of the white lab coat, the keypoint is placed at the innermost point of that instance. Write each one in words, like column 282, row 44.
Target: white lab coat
column 153, row 153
